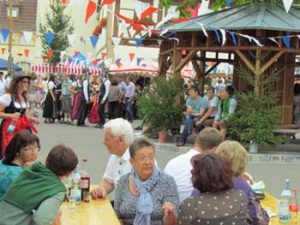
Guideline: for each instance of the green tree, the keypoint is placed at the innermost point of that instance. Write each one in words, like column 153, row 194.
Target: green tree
column 58, row 23
column 216, row 4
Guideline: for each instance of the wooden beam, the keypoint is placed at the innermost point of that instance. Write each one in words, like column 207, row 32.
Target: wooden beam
column 270, row 62
column 246, row 61
column 196, row 67
column 257, row 74
column 185, row 60
column 166, row 52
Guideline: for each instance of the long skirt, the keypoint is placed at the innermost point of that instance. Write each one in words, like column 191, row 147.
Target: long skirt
column 49, row 107
column 76, row 105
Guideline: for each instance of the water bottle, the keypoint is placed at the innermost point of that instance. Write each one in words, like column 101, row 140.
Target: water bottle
column 284, row 202
column 12, row 126
column 85, row 182
column 75, row 192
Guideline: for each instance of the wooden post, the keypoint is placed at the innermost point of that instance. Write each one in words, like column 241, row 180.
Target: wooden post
column 257, row 72
column 176, row 59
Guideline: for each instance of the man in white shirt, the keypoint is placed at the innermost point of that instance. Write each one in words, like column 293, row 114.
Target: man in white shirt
column 118, row 135
column 129, row 95
column 2, row 84
column 180, row 167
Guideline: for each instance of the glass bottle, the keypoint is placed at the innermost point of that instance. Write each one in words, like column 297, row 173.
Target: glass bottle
column 85, row 182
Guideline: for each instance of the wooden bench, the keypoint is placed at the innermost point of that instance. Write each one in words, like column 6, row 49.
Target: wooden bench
column 288, row 132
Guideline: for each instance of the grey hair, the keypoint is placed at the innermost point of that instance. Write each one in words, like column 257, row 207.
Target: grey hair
column 138, row 144
column 120, row 128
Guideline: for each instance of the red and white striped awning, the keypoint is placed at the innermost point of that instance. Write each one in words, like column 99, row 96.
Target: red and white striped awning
column 67, row 68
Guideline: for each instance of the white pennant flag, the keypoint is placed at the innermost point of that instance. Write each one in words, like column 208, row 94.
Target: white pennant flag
column 116, row 40
column 287, row 4
column 223, row 32
column 159, row 42
column 274, row 40
column 166, row 19
column 123, row 27
column 72, row 38
column 89, row 55
column 102, row 36
column 204, row 8
column 203, row 29
column 27, row 36
column 138, row 8
column 62, row 54
column 256, row 41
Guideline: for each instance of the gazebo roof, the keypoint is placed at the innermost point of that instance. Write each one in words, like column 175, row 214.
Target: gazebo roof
column 265, row 16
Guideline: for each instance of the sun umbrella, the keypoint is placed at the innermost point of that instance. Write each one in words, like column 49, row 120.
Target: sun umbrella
column 4, row 65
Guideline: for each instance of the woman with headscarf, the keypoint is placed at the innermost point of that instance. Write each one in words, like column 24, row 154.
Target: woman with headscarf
column 146, row 196
column 15, row 110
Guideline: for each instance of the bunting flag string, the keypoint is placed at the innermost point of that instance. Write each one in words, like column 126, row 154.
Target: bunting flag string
column 5, row 34
column 49, row 38
column 94, row 41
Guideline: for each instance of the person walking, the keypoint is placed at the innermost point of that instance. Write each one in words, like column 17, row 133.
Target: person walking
column 129, row 95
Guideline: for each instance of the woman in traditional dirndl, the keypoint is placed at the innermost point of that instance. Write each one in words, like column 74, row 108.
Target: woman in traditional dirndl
column 78, row 95
column 50, row 102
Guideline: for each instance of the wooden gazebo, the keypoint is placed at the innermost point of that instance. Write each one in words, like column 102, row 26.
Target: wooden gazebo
column 259, row 36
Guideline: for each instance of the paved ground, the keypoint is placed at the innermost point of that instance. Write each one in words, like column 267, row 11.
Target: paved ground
column 88, row 144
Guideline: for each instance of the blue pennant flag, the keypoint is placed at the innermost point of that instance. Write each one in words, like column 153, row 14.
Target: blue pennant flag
column 94, row 40
column 287, row 41
column 233, row 38
column 138, row 41
column 218, row 35
column 49, row 38
column 228, row 3
column 138, row 61
column 5, row 33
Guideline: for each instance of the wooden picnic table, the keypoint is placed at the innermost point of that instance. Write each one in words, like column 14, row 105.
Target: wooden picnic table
column 96, row 212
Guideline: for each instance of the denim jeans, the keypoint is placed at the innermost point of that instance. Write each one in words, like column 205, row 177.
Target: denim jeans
column 188, row 125
column 129, row 110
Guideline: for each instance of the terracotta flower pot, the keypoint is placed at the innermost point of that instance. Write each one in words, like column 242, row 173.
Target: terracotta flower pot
column 162, row 137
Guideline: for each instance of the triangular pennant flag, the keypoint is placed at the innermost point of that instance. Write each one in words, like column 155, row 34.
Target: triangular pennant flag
column 138, row 41
column 90, row 10
column 256, row 41
column 27, row 36
column 233, row 38
column 103, row 55
column 274, row 40
column 89, row 55
column 159, row 42
column 50, row 53
column 5, row 34
column 287, row 41
column 72, row 38
column 49, row 38
column 64, row 2
column 108, row 2
column 138, row 8
column 223, row 32
column 217, row 34
column 26, row 52
column 94, row 40
column 138, row 61
column 287, row 4
column 123, row 27
column 62, row 54
column 148, row 12
column 3, row 50
column 131, row 56
column 116, row 40
column 203, row 29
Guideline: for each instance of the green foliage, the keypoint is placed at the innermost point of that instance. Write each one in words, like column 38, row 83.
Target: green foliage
column 160, row 106
column 59, row 24
column 256, row 116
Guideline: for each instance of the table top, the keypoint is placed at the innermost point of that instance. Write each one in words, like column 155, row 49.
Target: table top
column 270, row 202
column 96, row 212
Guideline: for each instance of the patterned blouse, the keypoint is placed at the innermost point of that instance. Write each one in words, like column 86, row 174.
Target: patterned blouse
column 125, row 203
column 222, row 208
column 7, row 175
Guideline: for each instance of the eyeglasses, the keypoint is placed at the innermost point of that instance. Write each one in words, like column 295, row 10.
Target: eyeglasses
column 31, row 148
column 144, row 158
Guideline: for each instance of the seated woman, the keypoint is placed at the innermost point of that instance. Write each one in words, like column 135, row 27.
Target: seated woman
column 217, row 203
column 22, row 150
column 37, row 194
column 237, row 156
column 146, row 195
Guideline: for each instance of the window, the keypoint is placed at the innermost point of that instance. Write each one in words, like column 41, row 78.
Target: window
column 15, row 11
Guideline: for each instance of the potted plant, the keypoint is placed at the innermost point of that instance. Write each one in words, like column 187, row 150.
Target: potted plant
column 257, row 115
column 160, row 106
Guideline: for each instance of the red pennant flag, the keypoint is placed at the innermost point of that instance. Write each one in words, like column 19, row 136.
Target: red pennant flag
column 103, row 55
column 3, row 50
column 148, row 12
column 26, row 52
column 126, row 19
column 95, row 62
column 50, row 53
column 64, row 2
column 90, row 10
column 108, row 2
column 131, row 56
column 137, row 26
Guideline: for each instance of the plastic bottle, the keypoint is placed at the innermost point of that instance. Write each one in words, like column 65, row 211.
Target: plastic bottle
column 284, row 202
column 12, row 126
column 75, row 191
column 294, row 207
column 85, row 182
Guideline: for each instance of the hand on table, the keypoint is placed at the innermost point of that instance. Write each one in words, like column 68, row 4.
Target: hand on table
column 98, row 192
